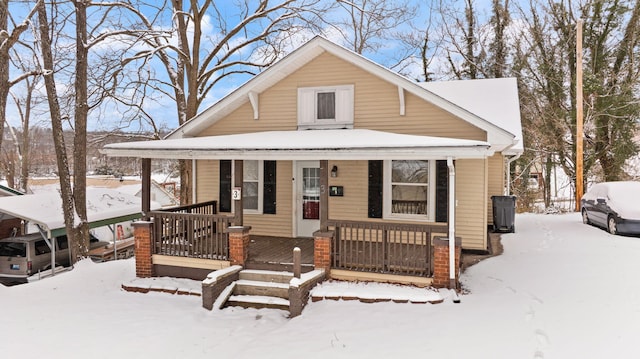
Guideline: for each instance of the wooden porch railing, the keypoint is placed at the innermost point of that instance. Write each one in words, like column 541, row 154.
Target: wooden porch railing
column 383, row 247
column 193, row 231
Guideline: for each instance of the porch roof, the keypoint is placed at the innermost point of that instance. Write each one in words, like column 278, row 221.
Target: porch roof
column 346, row 144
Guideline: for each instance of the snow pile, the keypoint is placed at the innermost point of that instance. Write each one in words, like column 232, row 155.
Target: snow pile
column 561, row 289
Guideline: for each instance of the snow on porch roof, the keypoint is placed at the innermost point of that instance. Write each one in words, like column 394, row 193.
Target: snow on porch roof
column 352, row 144
column 104, row 206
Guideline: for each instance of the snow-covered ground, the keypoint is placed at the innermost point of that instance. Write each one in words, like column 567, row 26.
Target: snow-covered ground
column 560, row 290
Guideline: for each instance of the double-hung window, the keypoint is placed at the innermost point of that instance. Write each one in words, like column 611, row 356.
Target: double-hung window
column 326, row 107
column 408, row 189
column 252, row 186
column 258, row 186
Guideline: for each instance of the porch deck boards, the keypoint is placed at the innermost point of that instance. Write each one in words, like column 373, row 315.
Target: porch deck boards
column 264, row 249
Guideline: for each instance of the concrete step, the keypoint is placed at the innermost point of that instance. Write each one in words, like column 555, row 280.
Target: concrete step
column 266, row 276
column 261, row 288
column 258, row 301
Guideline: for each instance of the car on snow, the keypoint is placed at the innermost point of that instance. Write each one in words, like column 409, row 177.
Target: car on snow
column 23, row 256
column 614, row 206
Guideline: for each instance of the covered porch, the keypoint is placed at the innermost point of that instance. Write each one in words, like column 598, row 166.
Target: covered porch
column 198, row 237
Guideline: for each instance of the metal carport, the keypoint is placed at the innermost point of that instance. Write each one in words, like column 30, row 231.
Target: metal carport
column 44, row 210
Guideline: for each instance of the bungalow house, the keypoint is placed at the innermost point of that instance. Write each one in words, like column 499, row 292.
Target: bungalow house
column 378, row 169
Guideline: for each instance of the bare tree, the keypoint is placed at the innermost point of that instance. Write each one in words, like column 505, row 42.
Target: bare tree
column 242, row 39
column 8, row 38
column 368, row 24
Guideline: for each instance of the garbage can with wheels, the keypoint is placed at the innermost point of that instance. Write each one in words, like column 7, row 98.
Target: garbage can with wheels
column 504, row 213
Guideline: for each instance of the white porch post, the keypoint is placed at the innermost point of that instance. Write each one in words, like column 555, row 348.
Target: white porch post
column 452, row 222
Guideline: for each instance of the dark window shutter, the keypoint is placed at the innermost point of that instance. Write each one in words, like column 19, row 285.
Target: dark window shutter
column 442, row 191
column 269, row 190
column 225, row 185
column 375, row 189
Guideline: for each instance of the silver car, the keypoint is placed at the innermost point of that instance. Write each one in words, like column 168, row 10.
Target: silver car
column 614, row 206
column 21, row 257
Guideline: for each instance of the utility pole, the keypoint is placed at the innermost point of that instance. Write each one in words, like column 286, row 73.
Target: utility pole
column 579, row 114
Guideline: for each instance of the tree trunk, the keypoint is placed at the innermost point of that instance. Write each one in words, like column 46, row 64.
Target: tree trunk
column 56, row 125
column 80, row 137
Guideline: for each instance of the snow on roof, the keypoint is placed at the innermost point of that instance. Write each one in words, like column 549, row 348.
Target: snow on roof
column 311, row 144
column 45, row 209
column 494, row 100
column 497, row 135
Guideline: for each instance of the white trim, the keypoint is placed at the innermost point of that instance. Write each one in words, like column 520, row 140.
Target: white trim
column 401, row 99
column 253, row 98
column 387, row 196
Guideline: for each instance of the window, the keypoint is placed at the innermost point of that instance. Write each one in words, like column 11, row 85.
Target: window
column 258, row 186
column 252, row 177
column 325, row 107
column 407, row 190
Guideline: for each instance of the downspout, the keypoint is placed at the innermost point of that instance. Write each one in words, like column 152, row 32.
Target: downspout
column 509, row 161
column 452, row 223
column 194, row 174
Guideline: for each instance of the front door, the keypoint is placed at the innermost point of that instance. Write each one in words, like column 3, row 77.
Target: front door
column 307, row 198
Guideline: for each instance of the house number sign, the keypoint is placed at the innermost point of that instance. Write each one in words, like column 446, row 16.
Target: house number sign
column 236, row 193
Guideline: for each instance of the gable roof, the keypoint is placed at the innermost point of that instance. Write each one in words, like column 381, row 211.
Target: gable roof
column 495, row 99
column 500, row 138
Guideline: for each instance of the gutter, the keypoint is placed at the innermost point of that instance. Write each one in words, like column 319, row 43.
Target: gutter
column 508, row 163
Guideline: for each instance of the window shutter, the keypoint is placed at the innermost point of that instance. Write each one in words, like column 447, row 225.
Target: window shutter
column 375, row 189
column 442, row 191
column 225, row 185
column 344, row 105
column 306, row 106
column 269, row 190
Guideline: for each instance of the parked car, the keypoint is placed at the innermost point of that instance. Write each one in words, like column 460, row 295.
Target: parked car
column 23, row 256
column 614, row 206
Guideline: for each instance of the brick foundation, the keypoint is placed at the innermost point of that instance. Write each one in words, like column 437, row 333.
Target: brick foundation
column 441, row 278
column 238, row 245
column 322, row 250
column 142, row 232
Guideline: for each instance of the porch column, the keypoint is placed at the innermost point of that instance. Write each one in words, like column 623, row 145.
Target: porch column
column 146, row 188
column 322, row 249
column 143, row 234
column 238, row 179
column 442, row 277
column 324, row 195
column 238, row 244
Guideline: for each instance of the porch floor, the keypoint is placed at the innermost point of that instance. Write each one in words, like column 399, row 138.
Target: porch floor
column 276, row 253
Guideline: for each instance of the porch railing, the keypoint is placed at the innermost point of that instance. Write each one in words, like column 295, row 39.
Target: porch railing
column 383, row 247
column 193, row 231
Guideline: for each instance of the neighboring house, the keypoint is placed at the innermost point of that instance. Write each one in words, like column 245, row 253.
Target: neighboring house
column 328, row 140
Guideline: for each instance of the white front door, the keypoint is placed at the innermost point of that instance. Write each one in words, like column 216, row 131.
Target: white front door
column 307, row 198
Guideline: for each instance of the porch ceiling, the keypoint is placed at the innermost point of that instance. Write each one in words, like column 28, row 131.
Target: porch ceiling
column 351, row 144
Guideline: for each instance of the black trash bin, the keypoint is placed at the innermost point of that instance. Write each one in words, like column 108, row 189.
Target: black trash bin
column 504, row 213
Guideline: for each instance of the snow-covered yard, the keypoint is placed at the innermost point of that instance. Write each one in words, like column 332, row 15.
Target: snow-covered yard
column 560, row 290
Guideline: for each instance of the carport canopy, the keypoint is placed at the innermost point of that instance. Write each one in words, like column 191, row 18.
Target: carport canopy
column 104, row 207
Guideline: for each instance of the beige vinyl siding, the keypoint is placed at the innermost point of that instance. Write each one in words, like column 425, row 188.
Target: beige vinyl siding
column 353, row 176
column 279, row 224
column 496, row 182
column 377, row 105
column 471, row 197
